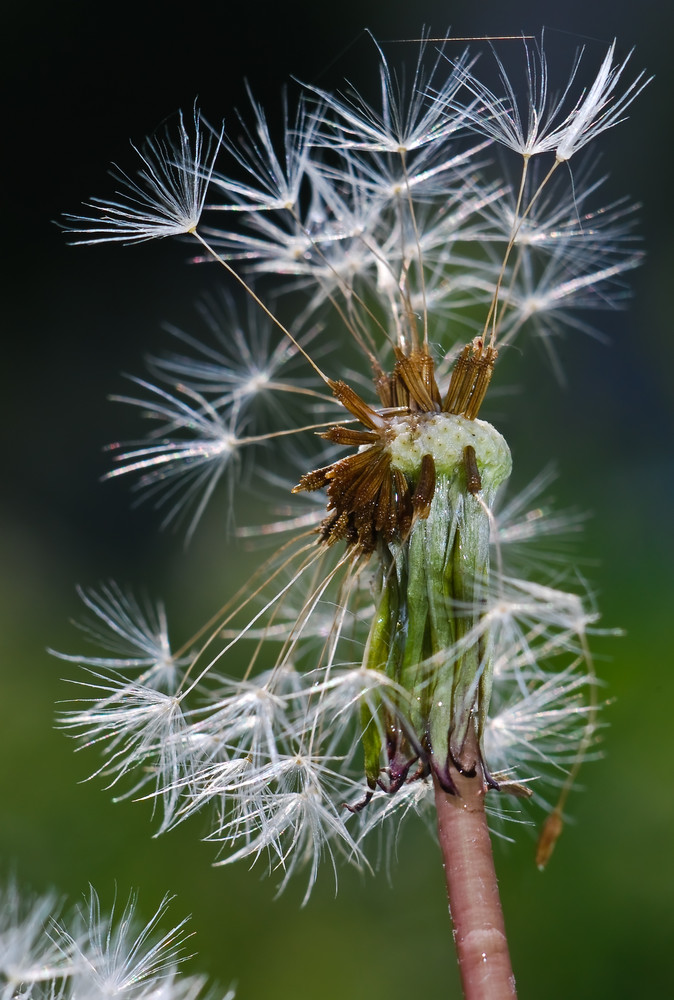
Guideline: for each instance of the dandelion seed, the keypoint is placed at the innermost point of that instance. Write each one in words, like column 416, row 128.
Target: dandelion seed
column 191, row 466
column 166, row 200
column 598, row 110
column 138, row 635
column 299, row 821
column 540, row 729
column 248, row 718
column 28, row 954
column 239, row 368
column 276, row 180
column 405, row 121
column 141, row 731
column 116, row 957
column 550, row 127
column 55, row 953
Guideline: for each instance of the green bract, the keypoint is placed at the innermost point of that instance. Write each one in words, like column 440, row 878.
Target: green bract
column 424, row 634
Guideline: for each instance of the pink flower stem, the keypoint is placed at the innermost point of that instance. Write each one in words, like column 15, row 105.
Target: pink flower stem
column 474, row 902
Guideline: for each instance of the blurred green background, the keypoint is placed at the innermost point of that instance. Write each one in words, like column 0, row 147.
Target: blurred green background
column 79, row 80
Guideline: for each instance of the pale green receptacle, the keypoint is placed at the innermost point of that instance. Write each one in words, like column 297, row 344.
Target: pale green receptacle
column 424, row 635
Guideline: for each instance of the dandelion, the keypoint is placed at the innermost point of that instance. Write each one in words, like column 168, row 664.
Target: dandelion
column 395, row 661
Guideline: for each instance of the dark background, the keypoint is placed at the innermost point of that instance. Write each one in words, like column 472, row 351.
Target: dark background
column 79, row 80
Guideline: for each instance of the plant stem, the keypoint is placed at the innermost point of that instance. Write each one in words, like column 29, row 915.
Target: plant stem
column 474, row 902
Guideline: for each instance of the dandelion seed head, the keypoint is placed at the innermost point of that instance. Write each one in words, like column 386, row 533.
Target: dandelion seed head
column 393, row 641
